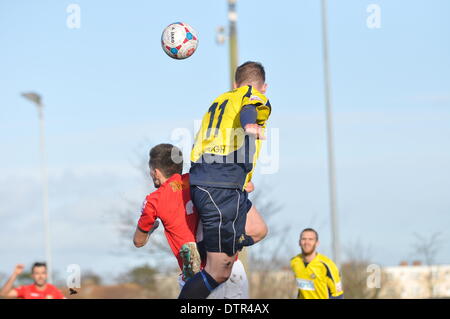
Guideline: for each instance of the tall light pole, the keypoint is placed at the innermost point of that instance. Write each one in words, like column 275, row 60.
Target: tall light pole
column 233, row 49
column 330, row 142
column 232, row 20
column 233, row 54
column 36, row 99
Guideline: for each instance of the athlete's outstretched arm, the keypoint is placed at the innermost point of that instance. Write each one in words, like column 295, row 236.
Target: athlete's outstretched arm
column 7, row 290
column 141, row 237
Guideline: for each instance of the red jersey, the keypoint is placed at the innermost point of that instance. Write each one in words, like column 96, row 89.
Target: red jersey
column 172, row 204
column 32, row 292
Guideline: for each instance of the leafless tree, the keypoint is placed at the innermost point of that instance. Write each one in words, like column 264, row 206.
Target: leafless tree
column 427, row 248
column 269, row 259
column 355, row 272
column 157, row 247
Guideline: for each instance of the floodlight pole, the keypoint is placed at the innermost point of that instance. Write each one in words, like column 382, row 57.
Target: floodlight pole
column 36, row 99
column 330, row 142
column 233, row 49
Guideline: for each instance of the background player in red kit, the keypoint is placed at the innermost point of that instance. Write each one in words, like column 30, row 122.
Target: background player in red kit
column 40, row 289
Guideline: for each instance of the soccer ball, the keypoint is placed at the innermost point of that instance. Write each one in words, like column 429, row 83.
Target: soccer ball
column 179, row 40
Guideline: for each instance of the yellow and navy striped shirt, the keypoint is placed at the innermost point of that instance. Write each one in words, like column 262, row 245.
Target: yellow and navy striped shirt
column 222, row 155
column 319, row 279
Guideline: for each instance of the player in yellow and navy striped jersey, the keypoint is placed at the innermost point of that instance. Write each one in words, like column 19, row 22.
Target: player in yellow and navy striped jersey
column 223, row 159
column 317, row 276
column 218, row 156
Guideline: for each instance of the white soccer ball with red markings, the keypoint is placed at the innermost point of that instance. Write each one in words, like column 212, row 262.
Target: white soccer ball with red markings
column 179, row 40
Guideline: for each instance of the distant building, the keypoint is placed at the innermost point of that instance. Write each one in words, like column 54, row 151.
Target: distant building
column 416, row 281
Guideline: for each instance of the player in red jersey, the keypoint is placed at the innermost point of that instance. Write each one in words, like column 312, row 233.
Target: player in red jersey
column 40, row 289
column 171, row 203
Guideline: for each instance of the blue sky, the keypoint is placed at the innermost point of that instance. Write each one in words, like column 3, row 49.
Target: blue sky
column 110, row 93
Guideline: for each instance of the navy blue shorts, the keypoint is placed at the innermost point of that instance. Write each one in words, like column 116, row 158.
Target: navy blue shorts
column 223, row 213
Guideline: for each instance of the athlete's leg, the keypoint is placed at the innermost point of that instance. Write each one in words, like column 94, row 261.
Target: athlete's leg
column 199, row 286
column 191, row 259
column 236, row 287
column 219, row 266
column 255, row 226
column 223, row 214
column 217, row 270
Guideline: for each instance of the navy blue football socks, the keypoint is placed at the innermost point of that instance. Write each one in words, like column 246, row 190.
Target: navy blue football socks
column 199, row 286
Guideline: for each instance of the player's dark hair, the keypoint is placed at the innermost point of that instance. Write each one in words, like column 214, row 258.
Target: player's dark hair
column 167, row 158
column 38, row 264
column 250, row 72
column 311, row 230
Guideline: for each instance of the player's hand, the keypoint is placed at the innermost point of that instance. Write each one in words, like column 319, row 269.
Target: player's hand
column 256, row 130
column 18, row 269
column 250, row 187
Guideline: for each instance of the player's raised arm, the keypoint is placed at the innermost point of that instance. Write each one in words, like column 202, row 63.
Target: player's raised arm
column 254, row 114
column 7, row 290
column 256, row 107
